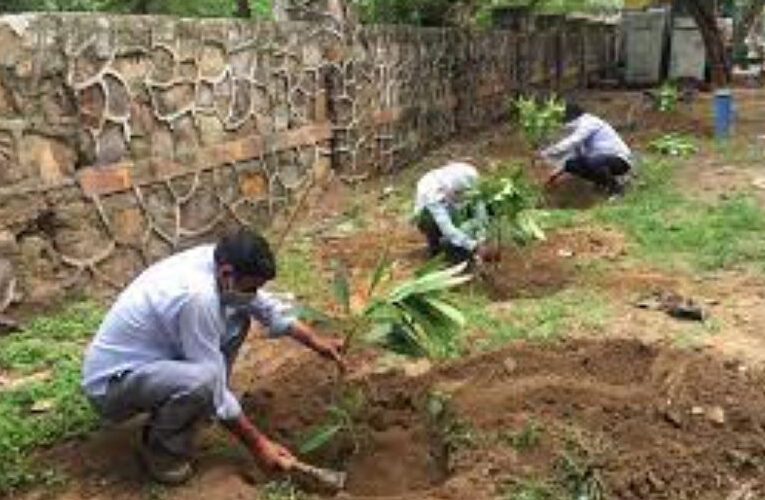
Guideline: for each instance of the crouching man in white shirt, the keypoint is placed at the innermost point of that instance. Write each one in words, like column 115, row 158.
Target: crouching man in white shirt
column 593, row 151
column 441, row 194
column 167, row 345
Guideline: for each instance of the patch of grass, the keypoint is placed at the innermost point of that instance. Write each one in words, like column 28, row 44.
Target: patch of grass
column 530, row 489
column 669, row 227
column 298, row 273
column 48, row 408
column 737, row 151
column 525, row 439
column 541, row 319
column 281, row 490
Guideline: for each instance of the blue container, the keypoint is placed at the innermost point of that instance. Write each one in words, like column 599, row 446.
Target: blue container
column 723, row 113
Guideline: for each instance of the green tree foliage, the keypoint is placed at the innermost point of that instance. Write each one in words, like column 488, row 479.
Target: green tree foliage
column 193, row 8
column 449, row 12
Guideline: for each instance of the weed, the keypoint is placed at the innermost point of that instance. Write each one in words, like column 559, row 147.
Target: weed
column 673, row 145
column 578, row 465
column 668, row 97
column 341, row 417
column 454, row 432
column 281, row 490
column 580, row 478
column 525, row 439
column 530, row 489
column 46, row 408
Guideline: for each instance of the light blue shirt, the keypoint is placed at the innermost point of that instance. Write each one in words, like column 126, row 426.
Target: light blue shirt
column 172, row 311
column 440, row 191
column 590, row 136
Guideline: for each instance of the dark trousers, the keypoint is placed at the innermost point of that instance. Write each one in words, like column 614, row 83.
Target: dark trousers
column 601, row 170
column 427, row 226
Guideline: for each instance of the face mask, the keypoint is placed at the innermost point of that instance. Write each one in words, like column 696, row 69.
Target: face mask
column 234, row 298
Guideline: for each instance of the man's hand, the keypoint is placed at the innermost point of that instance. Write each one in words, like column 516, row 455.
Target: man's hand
column 273, row 455
column 328, row 347
column 333, row 349
column 270, row 454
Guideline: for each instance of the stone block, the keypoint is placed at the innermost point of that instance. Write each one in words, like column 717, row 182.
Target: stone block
column 52, row 159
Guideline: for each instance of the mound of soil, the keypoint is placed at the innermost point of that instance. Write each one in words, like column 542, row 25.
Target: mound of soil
column 648, row 421
column 543, row 268
column 641, row 421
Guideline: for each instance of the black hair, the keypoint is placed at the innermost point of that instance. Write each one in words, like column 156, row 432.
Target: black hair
column 573, row 111
column 248, row 253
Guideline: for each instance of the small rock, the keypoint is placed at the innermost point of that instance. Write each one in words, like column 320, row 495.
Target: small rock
column 43, row 406
column 8, row 245
column 697, row 410
column 510, row 365
column 11, row 384
column 673, row 417
column 759, row 183
column 565, row 253
column 716, row 415
column 417, row 368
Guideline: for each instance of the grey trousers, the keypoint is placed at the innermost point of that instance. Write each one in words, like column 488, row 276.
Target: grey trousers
column 177, row 395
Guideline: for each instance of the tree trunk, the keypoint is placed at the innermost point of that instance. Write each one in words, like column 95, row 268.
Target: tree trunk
column 751, row 11
column 243, row 9
column 703, row 12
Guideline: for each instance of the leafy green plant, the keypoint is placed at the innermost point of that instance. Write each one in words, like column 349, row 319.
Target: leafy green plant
column 530, row 489
column 667, row 97
column 509, row 200
column 281, row 490
column 673, row 145
column 526, row 438
column 538, row 119
column 340, row 417
column 580, row 478
column 413, row 316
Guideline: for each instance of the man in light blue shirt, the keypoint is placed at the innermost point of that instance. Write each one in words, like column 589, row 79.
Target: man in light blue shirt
column 592, row 150
column 167, row 345
column 441, row 193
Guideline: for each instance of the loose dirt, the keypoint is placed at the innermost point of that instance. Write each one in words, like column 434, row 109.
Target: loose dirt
column 546, row 267
column 647, row 421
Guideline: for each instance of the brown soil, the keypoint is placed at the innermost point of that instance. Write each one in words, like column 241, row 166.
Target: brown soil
column 648, row 421
column 546, row 267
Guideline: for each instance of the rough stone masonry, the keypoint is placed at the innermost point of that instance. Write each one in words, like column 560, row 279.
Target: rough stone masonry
column 125, row 138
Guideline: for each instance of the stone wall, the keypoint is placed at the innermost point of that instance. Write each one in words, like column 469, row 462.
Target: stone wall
column 123, row 139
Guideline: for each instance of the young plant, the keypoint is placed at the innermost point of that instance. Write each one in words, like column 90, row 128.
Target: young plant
column 509, row 200
column 538, row 119
column 667, row 97
column 413, row 316
column 341, row 417
column 673, row 144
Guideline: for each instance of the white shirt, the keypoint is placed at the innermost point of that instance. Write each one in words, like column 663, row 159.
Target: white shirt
column 440, row 191
column 172, row 311
column 590, row 136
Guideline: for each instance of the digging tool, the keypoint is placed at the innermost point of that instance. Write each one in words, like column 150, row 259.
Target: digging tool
column 330, row 478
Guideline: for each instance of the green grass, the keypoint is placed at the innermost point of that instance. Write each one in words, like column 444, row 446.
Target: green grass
column 670, row 228
column 526, row 438
column 52, row 346
column 544, row 318
column 281, row 490
column 297, row 272
column 530, row 489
